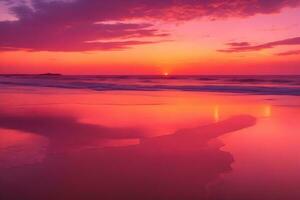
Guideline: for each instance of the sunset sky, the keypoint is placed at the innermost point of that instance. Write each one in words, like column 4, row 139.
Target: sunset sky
column 150, row 36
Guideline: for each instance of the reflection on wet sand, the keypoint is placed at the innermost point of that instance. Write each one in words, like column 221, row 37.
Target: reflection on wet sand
column 175, row 166
column 217, row 113
column 153, row 145
column 20, row 148
column 267, row 111
column 65, row 130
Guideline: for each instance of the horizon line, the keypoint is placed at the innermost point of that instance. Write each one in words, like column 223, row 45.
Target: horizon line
column 61, row 74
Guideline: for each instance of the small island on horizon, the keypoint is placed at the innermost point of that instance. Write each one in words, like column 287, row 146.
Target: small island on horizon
column 50, row 74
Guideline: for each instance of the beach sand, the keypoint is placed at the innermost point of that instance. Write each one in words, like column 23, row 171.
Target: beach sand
column 81, row 144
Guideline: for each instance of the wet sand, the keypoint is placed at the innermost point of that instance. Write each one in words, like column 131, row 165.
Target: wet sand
column 78, row 144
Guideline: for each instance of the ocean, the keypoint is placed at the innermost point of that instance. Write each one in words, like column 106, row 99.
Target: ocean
column 263, row 84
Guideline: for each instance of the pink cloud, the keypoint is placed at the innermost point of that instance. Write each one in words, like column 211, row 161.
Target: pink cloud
column 238, row 44
column 288, row 53
column 68, row 25
column 245, row 46
column 37, row 36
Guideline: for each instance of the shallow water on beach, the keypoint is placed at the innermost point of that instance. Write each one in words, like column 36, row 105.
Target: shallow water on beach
column 83, row 144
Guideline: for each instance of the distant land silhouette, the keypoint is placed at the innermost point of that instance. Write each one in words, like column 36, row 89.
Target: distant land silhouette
column 50, row 74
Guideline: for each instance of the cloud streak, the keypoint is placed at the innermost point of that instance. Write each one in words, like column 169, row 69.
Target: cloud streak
column 289, row 53
column 37, row 36
column 68, row 25
column 245, row 46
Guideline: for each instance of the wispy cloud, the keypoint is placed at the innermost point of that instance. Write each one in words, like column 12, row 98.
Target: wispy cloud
column 67, row 25
column 288, row 53
column 245, row 46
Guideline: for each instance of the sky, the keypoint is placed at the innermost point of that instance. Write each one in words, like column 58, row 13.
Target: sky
column 150, row 36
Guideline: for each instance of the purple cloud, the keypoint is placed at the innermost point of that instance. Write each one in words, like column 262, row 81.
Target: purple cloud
column 245, row 46
column 238, row 44
column 37, row 36
column 288, row 53
column 71, row 25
